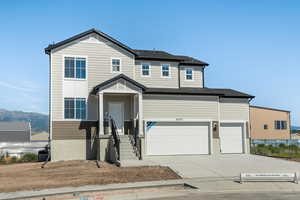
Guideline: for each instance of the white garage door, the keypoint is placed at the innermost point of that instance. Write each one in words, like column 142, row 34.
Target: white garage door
column 231, row 137
column 174, row 138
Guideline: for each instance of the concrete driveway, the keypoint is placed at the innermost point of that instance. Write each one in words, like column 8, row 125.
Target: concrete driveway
column 221, row 166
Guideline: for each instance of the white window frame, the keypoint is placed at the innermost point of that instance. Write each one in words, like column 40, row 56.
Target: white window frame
column 111, row 65
column 281, row 126
column 142, row 70
column 74, row 119
column 161, row 70
column 86, row 67
column 185, row 69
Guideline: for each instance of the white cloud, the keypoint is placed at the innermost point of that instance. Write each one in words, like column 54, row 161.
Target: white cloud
column 24, row 87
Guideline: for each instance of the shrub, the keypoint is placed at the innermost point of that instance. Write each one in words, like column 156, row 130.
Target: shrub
column 294, row 148
column 29, row 157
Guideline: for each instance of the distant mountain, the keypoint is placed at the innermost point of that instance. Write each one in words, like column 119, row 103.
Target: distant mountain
column 295, row 127
column 39, row 122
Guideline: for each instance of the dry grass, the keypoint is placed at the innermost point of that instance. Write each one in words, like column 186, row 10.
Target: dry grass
column 30, row 176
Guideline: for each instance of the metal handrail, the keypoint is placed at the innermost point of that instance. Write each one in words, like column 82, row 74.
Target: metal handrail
column 116, row 137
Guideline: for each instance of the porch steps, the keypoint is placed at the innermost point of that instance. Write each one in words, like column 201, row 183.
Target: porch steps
column 126, row 149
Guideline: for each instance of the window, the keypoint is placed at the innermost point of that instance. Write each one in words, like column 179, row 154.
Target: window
column 280, row 125
column 165, row 70
column 75, row 108
column 266, row 126
column 116, row 65
column 188, row 74
column 75, row 67
column 145, row 70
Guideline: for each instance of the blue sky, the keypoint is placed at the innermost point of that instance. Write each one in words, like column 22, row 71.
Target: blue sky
column 252, row 46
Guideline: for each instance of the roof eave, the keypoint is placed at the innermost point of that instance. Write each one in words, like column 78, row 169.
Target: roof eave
column 53, row 46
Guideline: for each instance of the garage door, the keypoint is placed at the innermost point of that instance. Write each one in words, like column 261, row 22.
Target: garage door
column 231, row 137
column 175, row 138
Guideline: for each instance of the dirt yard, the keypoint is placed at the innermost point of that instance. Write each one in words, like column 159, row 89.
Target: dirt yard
column 31, row 176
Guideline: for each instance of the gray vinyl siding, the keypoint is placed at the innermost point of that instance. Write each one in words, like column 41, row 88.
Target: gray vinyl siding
column 99, row 56
column 234, row 109
column 197, row 75
column 156, row 80
column 183, row 106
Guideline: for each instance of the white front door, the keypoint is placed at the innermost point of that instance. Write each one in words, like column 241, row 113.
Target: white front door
column 231, row 137
column 116, row 111
column 177, row 138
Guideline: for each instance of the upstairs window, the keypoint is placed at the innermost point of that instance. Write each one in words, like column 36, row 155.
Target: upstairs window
column 75, row 108
column 189, row 74
column 280, row 125
column 265, row 126
column 165, row 70
column 116, row 65
column 145, row 70
column 75, row 67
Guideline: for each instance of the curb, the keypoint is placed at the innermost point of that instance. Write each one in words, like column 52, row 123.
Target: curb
column 91, row 188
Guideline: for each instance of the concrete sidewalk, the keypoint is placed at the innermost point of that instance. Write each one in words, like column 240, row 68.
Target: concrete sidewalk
column 90, row 188
column 204, row 185
column 218, row 166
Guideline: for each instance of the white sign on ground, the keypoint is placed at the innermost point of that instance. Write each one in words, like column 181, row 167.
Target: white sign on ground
column 268, row 177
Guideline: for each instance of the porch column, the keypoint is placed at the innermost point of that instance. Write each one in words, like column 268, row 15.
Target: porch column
column 101, row 127
column 141, row 116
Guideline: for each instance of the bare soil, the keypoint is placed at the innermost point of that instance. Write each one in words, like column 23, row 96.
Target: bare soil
column 30, row 176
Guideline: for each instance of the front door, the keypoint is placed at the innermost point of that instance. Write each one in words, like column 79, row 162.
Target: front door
column 116, row 111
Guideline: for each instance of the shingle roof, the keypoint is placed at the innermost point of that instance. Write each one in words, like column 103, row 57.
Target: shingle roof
column 180, row 91
column 140, row 54
column 229, row 93
column 14, row 126
column 118, row 77
column 53, row 46
column 162, row 55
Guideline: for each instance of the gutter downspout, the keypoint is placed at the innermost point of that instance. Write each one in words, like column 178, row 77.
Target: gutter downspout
column 179, row 84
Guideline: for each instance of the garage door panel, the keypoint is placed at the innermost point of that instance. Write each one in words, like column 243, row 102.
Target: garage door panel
column 174, row 138
column 231, row 138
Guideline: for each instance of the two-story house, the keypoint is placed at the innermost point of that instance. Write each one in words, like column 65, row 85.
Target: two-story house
column 157, row 102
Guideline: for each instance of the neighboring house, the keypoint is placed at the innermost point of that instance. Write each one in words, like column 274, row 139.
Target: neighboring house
column 40, row 137
column 15, row 132
column 155, row 98
column 269, row 123
column 295, row 133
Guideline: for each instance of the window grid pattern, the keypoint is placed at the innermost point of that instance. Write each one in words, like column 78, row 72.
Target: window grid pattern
column 75, row 67
column 116, row 65
column 165, row 70
column 75, row 108
column 189, row 74
column 145, row 70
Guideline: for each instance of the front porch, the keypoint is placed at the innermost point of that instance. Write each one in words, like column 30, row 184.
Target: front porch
column 120, row 120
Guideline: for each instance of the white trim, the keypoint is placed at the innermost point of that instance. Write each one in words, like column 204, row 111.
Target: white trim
column 186, row 68
column 111, row 65
column 120, row 91
column 141, row 115
column 141, row 70
column 209, row 121
column 86, row 67
column 74, row 119
column 100, row 113
column 50, row 97
column 211, row 139
column 233, row 121
column 161, row 70
column 177, row 120
column 244, row 138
